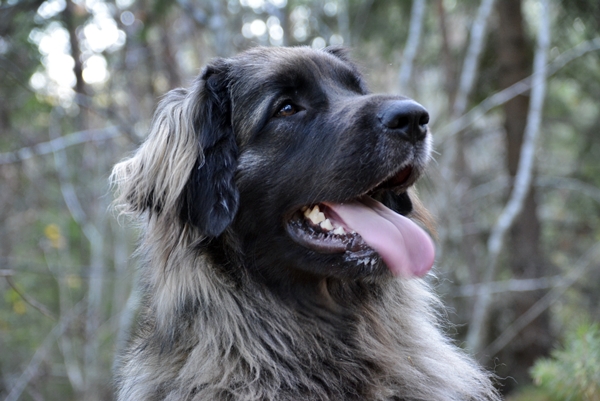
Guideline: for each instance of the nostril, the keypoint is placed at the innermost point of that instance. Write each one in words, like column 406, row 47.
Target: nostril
column 404, row 117
column 397, row 122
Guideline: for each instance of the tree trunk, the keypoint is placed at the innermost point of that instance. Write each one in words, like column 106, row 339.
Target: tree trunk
column 525, row 259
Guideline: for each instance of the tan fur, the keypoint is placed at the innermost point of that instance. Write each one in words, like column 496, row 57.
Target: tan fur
column 211, row 331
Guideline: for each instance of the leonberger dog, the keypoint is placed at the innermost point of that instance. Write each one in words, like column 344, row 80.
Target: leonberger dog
column 280, row 258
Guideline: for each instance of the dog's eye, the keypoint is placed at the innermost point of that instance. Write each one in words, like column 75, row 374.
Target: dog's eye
column 287, row 109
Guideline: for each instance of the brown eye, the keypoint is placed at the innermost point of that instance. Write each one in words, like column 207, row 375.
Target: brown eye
column 287, row 110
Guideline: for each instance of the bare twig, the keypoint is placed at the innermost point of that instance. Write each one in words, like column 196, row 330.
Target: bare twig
column 522, row 182
column 512, row 285
column 469, row 71
column 28, row 299
column 65, row 342
column 503, row 96
column 544, row 303
column 571, row 184
column 60, row 143
column 96, row 240
column 412, row 43
column 126, row 318
column 39, row 355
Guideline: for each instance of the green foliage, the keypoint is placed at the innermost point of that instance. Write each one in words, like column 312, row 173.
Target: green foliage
column 573, row 372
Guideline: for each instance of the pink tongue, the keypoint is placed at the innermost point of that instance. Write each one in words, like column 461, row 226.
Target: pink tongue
column 405, row 248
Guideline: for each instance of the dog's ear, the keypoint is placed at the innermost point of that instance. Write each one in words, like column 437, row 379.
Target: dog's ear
column 210, row 198
column 341, row 52
column 185, row 168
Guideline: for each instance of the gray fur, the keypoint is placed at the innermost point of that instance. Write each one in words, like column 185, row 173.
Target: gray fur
column 211, row 330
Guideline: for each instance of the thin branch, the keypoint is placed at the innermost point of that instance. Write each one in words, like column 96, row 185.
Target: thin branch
column 522, row 181
column 60, row 143
column 126, row 319
column 571, row 184
column 503, row 96
column 65, row 343
column 469, row 71
column 544, row 303
column 512, row 285
column 412, row 43
column 40, row 354
column 500, row 184
column 29, row 300
column 68, row 190
column 447, row 64
column 96, row 240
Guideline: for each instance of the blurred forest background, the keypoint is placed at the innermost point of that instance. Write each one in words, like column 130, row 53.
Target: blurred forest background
column 513, row 88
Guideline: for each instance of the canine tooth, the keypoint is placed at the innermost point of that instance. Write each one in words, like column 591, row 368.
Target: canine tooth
column 315, row 215
column 326, row 225
column 339, row 231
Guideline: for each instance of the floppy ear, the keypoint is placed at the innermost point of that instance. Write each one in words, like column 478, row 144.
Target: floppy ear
column 210, row 198
column 185, row 168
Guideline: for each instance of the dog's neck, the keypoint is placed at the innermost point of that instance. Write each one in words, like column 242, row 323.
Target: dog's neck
column 297, row 288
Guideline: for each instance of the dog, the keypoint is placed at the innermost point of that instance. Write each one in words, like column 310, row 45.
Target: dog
column 280, row 255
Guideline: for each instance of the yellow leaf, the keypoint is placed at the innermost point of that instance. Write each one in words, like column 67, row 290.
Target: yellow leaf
column 19, row 307
column 73, row 281
column 52, row 232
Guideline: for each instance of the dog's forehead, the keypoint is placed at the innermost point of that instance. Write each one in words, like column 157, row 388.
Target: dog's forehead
column 255, row 68
column 259, row 77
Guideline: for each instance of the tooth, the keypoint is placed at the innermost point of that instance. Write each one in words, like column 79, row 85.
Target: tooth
column 339, row 231
column 315, row 215
column 326, row 225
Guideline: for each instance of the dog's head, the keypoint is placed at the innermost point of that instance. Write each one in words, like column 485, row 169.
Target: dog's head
column 286, row 151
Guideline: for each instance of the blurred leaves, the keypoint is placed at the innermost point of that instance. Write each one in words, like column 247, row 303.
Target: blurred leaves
column 572, row 373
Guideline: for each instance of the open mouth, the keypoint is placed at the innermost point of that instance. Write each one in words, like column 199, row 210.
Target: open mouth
column 366, row 231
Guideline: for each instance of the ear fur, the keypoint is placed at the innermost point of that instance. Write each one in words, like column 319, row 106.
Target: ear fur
column 341, row 52
column 186, row 166
column 210, row 199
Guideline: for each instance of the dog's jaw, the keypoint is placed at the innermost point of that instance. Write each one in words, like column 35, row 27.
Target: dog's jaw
column 365, row 232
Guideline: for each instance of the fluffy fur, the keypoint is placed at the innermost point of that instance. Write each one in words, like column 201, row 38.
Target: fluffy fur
column 234, row 309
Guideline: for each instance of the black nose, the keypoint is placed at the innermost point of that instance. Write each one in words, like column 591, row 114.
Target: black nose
column 405, row 117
